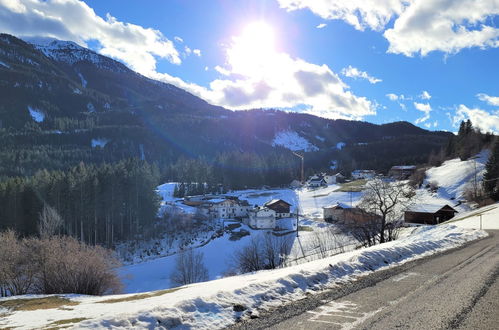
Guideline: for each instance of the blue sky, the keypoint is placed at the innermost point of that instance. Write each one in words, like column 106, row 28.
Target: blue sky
column 429, row 62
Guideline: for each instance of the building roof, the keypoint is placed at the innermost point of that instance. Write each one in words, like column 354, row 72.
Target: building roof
column 316, row 180
column 404, row 167
column 338, row 206
column 274, row 201
column 428, row 208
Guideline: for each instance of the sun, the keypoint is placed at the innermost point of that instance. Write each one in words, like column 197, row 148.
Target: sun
column 253, row 51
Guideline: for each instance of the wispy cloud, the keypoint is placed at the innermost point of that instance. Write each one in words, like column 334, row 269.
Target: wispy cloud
column 423, row 107
column 321, row 26
column 425, row 95
column 490, row 100
column 355, row 73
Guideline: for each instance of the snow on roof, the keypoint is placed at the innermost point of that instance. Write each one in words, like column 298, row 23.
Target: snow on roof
column 275, row 201
column 404, row 167
column 338, row 205
column 426, row 208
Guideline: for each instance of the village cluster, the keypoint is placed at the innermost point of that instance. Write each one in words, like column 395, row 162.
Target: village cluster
column 266, row 216
column 255, row 216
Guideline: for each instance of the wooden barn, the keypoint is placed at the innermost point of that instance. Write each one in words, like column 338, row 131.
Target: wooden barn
column 429, row 214
column 344, row 214
column 401, row 172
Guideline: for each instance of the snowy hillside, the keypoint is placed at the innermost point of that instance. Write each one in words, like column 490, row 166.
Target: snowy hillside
column 293, row 141
column 455, row 175
column 220, row 303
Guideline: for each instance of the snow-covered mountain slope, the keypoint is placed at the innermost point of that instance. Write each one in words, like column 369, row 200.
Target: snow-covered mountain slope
column 293, row 141
column 218, row 304
column 454, row 176
column 69, row 52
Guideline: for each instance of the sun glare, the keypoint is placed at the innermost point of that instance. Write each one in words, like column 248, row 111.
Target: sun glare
column 253, row 50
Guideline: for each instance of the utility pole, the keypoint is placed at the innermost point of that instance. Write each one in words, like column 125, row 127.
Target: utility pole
column 302, row 157
column 297, row 220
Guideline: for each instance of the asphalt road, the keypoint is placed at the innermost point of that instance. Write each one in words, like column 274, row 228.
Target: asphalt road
column 458, row 289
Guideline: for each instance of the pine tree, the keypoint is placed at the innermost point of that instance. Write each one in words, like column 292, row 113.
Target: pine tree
column 491, row 177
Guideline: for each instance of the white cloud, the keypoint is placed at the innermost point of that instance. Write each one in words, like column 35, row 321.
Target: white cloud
column 392, row 97
column 443, row 25
column 74, row 20
column 374, row 14
column 178, row 39
column 321, row 26
column 221, row 70
column 425, row 95
column 423, row 107
column 355, row 73
column 197, row 52
column 486, row 121
column 256, row 75
column 491, row 100
column 420, row 26
column 288, row 83
column 187, row 50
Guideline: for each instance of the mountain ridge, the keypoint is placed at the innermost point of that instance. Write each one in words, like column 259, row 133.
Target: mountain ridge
column 84, row 96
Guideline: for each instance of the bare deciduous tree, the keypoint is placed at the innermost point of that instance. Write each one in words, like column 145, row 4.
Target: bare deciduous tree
column 385, row 201
column 263, row 252
column 50, row 222
column 189, row 268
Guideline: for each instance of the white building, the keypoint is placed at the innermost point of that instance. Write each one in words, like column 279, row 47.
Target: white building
column 229, row 209
column 330, row 179
column 221, row 208
column 261, row 218
column 317, row 182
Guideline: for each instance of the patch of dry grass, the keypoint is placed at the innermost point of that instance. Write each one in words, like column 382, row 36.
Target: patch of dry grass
column 139, row 296
column 31, row 304
column 354, row 186
column 64, row 323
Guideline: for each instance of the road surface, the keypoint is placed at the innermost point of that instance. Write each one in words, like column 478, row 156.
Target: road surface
column 458, row 289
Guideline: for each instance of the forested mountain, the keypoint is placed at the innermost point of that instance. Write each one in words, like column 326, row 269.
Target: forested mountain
column 61, row 104
column 89, row 138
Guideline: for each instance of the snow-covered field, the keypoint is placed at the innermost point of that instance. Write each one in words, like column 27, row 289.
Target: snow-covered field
column 219, row 303
column 153, row 273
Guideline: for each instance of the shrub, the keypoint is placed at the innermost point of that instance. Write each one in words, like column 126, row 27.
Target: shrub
column 55, row 265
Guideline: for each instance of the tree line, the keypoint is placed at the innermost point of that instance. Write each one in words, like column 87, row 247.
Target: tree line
column 231, row 170
column 98, row 204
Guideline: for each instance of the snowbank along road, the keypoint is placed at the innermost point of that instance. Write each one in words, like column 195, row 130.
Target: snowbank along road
column 455, row 289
